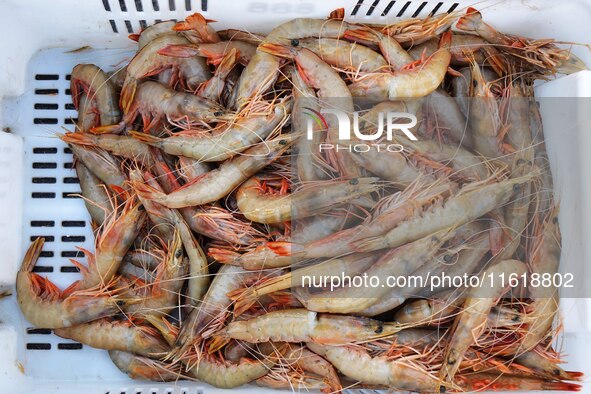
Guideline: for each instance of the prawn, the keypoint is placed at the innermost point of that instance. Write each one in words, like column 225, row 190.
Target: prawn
column 213, row 88
column 197, row 28
column 401, row 261
column 457, row 210
column 111, row 245
column 223, row 144
column 349, row 265
column 331, row 90
column 96, row 197
column 543, row 257
column 161, row 296
column 357, row 364
column 344, row 55
column 220, row 182
column 309, row 163
column 476, row 382
column 209, row 220
column 154, row 31
column 93, row 93
column 213, row 310
column 389, row 211
column 415, row 31
column 301, row 325
column 117, row 335
column 227, row 374
column 412, row 83
column 541, row 56
column 148, row 62
column 42, row 303
column 102, row 165
column 214, row 52
column 119, row 145
column 395, row 55
column 470, row 323
column 314, row 199
column 154, row 101
column 261, row 72
column 144, row 368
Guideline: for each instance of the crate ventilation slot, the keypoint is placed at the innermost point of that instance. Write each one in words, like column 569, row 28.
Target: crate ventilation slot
column 159, row 391
column 129, row 12
column 400, row 8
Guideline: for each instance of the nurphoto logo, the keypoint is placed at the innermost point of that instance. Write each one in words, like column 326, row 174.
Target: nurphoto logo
column 389, row 122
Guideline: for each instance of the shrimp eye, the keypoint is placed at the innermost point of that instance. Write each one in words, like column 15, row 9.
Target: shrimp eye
column 555, row 220
column 516, row 188
column 354, row 181
column 379, row 329
column 520, row 161
column 218, row 113
column 556, row 372
column 178, row 254
column 442, row 389
column 283, row 142
column 474, row 83
column 295, row 42
column 141, row 208
column 120, row 303
column 447, row 257
column 515, row 318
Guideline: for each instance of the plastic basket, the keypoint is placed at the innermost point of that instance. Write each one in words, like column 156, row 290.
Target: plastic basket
column 36, row 180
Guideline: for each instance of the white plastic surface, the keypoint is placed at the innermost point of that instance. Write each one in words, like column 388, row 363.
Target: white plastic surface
column 35, row 39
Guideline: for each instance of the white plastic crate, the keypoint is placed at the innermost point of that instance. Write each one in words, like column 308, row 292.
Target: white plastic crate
column 36, row 38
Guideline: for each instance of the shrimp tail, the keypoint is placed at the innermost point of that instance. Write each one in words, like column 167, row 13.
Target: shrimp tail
column 108, row 129
column 46, row 289
column 224, row 256
column 243, row 299
column 145, row 138
column 76, row 90
column 228, row 61
column 445, row 40
column 337, row 15
column 285, row 299
column 148, row 192
column 192, row 22
column 572, row 65
column 278, row 50
column 178, row 50
column 128, row 93
column 282, row 248
column 364, row 35
column 78, row 138
column 496, row 60
column 32, row 255
column 134, row 37
column 472, row 21
column 217, row 342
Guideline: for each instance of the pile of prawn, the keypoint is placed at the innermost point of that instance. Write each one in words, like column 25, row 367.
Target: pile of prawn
column 211, row 203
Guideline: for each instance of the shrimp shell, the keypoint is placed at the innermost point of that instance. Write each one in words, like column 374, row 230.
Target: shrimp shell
column 42, row 303
column 114, row 335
